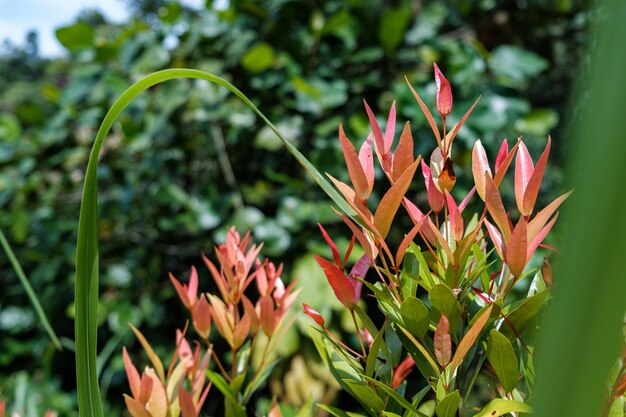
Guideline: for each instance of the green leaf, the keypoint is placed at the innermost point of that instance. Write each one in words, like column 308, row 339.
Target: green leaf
column 258, row 58
column 502, row 357
column 515, row 65
column 500, row 407
column 365, row 395
column 220, row 383
column 76, row 37
column 29, row 291
column 87, row 273
column 443, row 301
column 521, row 316
column 449, row 406
column 415, row 316
column 337, row 412
column 393, row 27
column 393, row 394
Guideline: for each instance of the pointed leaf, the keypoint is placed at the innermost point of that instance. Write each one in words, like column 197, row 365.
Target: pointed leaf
column 504, row 164
column 367, row 163
column 496, row 238
column 444, row 92
column 435, row 197
column 539, row 237
column 480, row 168
column 134, row 381
column 459, row 125
column 403, row 156
column 426, row 112
column 534, row 183
column 517, row 248
column 502, row 154
column 378, row 134
column 135, row 408
column 523, row 172
column 470, row 338
column 495, row 207
column 444, row 302
column 541, row 218
column 502, row 357
column 390, row 129
column 442, row 342
column 156, row 361
column 456, row 220
column 355, row 170
column 518, row 319
column 392, row 199
column 333, row 247
column 345, row 288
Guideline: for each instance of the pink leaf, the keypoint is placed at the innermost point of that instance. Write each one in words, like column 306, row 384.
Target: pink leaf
column 403, row 156
column 523, row 171
column 368, row 246
column 495, row 207
column 332, row 245
column 390, row 129
column 517, row 248
column 539, row 237
column 496, row 238
column 504, row 164
column 532, row 188
column 367, row 163
column 444, row 93
column 131, row 373
column 378, row 134
column 427, row 114
column 442, row 342
column 456, row 220
column 343, row 286
column 466, row 199
column 502, row 154
column 435, row 197
column 355, row 170
column 417, row 216
column 543, row 216
column 317, row 317
column 480, row 168
column 201, row 317
column 391, row 201
column 408, row 239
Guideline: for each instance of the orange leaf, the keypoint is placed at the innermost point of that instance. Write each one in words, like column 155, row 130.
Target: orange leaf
column 435, row 197
column 131, row 373
column 187, row 407
column 403, row 156
column 534, row 183
column 496, row 238
column 407, row 240
column 443, row 342
column 426, row 112
column 469, row 340
column 134, row 407
column 503, row 166
column 540, row 236
column 543, row 216
column 458, row 126
column 517, row 248
column 392, row 199
column 156, row 362
column 496, row 208
column 367, row 163
column 355, row 170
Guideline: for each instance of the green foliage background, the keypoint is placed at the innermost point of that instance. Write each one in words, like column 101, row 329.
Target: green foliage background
column 188, row 159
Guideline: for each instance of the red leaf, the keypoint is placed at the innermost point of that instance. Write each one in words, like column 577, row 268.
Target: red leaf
column 442, row 342
column 186, row 403
column 417, row 216
column 343, row 286
column 317, row 317
column 480, row 168
column 427, row 114
column 355, row 170
column 502, row 154
column 332, row 245
column 504, row 164
column 368, row 246
column 403, row 156
column 517, row 248
column 392, row 199
column 456, row 220
column 444, row 93
column 435, row 197
column 466, row 199
column 532, row 188
column 523, row 171
column 378, row 135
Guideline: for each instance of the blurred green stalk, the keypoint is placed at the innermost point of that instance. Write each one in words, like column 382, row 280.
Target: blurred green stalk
column 29, row 290
column 582, row 333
